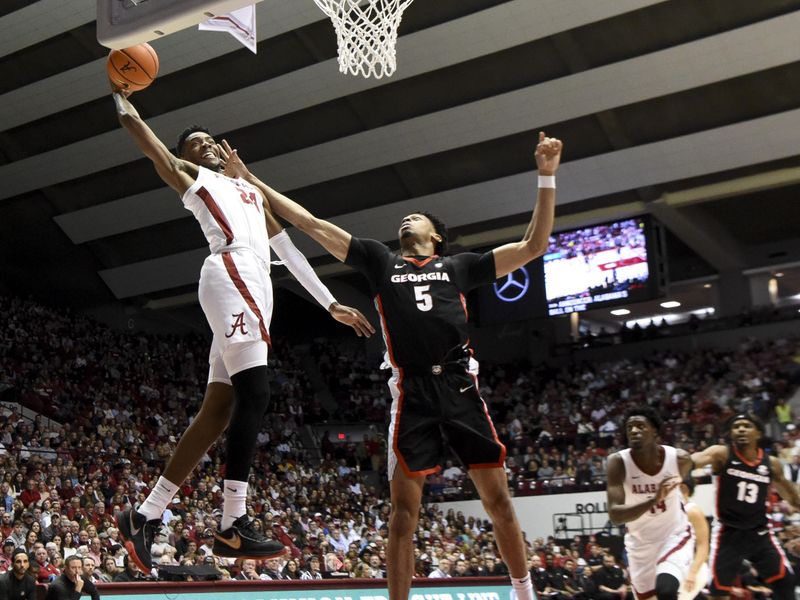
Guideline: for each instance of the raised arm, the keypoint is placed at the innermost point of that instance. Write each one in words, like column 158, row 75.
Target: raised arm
column 175, row 172
column 618, row 511
column 299, row 266
column 785, row 488
column 334, row 239
column 509, row 257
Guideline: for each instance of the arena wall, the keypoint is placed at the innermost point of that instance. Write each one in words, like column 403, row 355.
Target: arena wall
column 539, row 515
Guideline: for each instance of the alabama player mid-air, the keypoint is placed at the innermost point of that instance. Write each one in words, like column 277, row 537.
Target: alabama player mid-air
column 744, row 473
column 642, row 482
column 236, row 296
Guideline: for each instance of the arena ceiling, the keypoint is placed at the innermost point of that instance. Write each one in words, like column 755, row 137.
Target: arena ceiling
column 687, row 110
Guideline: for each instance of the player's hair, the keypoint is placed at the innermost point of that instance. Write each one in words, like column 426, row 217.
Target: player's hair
column 688, row 481
column 185, row 134
column 438, row 225
column 648, row 412
column 747, row 416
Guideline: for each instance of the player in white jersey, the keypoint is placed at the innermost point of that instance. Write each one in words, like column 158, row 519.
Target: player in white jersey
column 236, row 296
column 642, row 493
column 697, row 578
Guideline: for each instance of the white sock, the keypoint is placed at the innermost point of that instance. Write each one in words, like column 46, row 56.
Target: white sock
column 523, row 588
column 163, row 492
column 234, row 497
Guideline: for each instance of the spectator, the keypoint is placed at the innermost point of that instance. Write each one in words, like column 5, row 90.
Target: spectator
column 442, row 569
column 130, row 572
column 249, row 572
column 89, row 578
column 609, row 580
column 791, row 470
column 376, row 570
column 68, row 585
column 313, row 571
column 6, row 557
column 46, row 572
column 291, row 571
column 109, row 570
column 18, row 534
column 272, row 569
column 574, row 582
column 461, row 569
column 452, row 472
column 18, row 583
column 539, row 577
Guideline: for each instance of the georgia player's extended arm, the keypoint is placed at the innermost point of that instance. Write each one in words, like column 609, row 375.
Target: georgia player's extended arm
column 618, row 511
column 334, row 239
column 713, row 455
column 509, row 257
column 176, row 173
column 786, row 488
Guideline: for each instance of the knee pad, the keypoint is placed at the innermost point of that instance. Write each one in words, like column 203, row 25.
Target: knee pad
column 667, row 587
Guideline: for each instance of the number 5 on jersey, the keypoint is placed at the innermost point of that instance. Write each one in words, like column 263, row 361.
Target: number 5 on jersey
column 423, row 297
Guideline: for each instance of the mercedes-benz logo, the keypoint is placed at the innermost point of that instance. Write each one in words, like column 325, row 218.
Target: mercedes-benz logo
column 514, row 286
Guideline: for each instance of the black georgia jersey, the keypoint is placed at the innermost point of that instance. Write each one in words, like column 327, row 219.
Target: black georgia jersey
column 421, row 299
column 742, row 489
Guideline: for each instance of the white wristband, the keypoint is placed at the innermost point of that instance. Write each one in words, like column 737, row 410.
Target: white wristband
column 547, row 181
column 299, row 267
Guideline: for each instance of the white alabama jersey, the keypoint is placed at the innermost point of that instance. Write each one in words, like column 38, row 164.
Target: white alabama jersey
column 663, row 520
column 229, row 211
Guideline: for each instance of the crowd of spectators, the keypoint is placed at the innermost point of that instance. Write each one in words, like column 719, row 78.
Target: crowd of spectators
column 118, row 401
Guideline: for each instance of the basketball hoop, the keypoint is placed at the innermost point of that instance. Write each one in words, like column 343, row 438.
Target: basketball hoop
column 366, row 32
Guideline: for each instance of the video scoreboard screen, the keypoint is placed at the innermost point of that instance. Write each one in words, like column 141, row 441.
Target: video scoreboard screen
column 590, row 267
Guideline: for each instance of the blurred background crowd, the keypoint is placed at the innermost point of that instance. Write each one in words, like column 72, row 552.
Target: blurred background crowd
column 90, row 415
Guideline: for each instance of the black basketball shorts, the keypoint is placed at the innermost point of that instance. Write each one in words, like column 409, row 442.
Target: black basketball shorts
column 431, row 411
column 730, row 546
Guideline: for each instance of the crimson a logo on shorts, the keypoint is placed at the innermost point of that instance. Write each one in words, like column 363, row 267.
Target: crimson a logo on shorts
column 238, row 323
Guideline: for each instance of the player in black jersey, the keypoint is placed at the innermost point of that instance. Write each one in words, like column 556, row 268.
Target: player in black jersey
column 744, row 473
column 420, row 297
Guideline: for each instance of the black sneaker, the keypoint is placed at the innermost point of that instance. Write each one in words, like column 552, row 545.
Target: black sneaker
column 138, row 534
column 242, row 540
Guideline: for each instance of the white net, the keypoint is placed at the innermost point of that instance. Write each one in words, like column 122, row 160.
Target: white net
column 366, row 31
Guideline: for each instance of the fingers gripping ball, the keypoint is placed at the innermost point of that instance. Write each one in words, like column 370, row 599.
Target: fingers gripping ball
column 132, row 68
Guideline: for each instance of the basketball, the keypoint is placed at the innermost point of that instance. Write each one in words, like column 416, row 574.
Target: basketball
column 133, row 68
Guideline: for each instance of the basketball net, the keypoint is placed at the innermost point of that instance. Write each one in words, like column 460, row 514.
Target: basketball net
column 366, row 32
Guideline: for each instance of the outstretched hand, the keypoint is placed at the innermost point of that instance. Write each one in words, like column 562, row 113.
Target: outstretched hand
column 117, row 89
column 548, row 154
column 665, row 487
column 233, row 166
column 353, row 318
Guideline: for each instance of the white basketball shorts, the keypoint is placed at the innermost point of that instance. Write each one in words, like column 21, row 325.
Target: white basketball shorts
column 673, row 555
column 236, row 296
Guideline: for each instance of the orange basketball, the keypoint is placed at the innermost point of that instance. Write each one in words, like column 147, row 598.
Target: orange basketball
column 133, row 68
